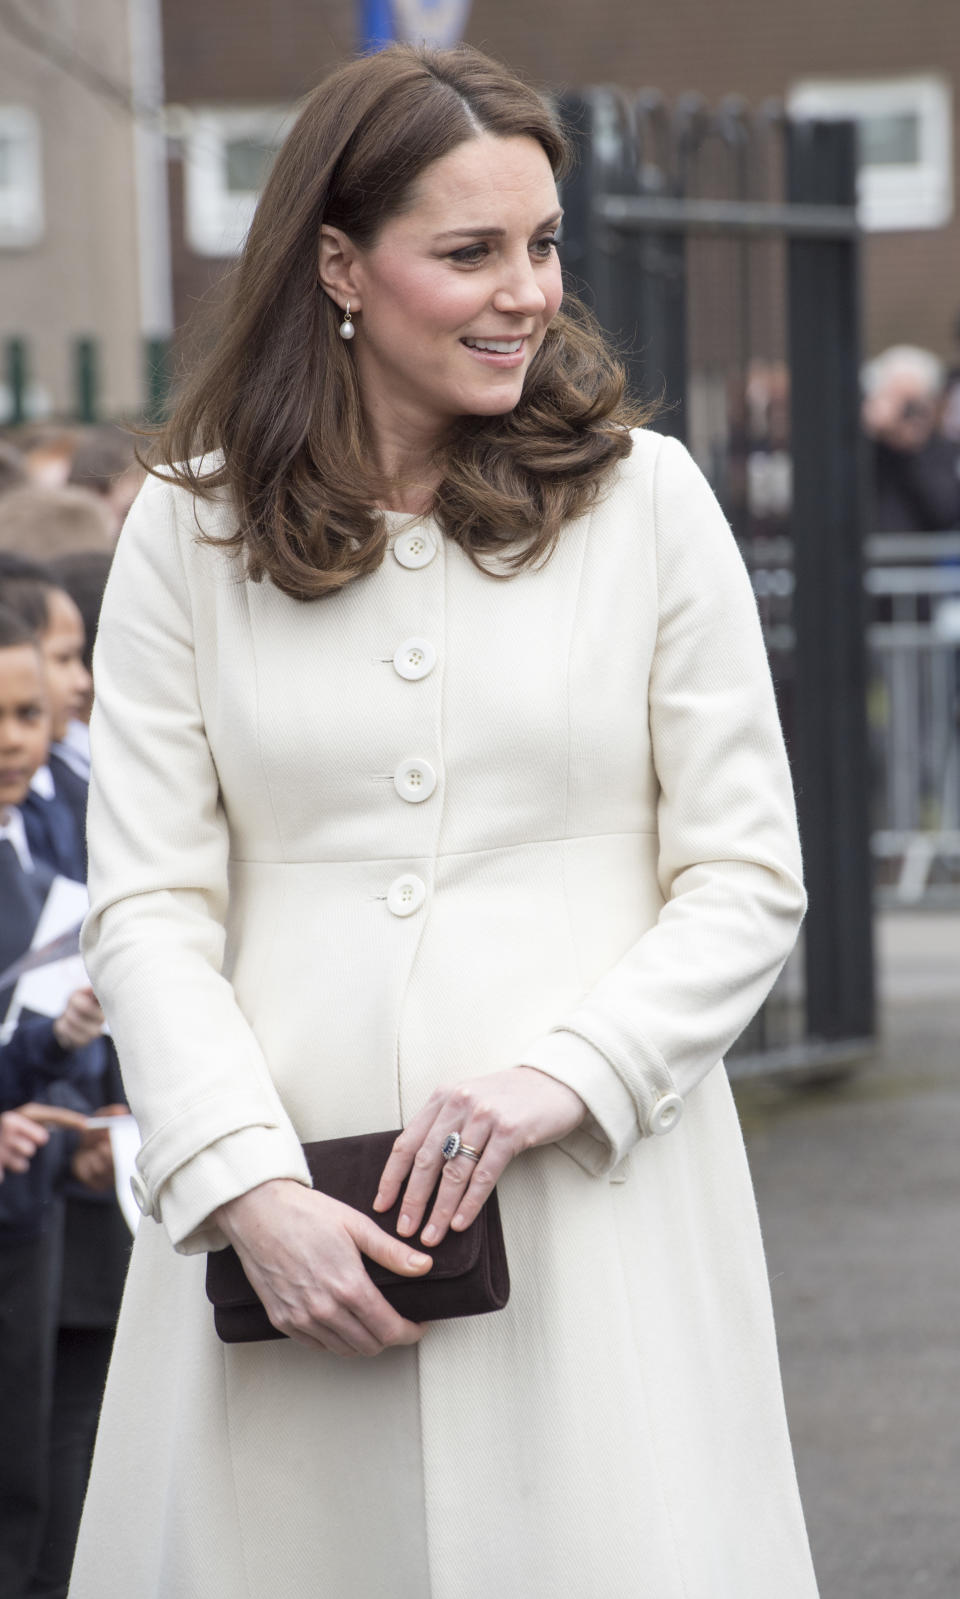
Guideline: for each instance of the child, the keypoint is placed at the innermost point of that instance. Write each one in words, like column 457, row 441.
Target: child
column 39, row 1058
column 55, row 811
column 93, row 1254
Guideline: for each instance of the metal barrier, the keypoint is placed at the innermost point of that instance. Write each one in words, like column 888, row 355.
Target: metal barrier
column 913, row 635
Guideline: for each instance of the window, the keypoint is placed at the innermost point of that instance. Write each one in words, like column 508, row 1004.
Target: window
column 228, row 155
column 904, row 141
column 21, row 182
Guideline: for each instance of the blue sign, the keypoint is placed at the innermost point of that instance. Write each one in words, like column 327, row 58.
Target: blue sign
column 439, row 23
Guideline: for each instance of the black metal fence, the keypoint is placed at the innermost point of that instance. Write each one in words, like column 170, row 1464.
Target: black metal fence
column 720, row 249
column 86, row 405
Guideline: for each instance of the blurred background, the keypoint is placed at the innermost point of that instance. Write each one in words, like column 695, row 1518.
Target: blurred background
column 764, row 220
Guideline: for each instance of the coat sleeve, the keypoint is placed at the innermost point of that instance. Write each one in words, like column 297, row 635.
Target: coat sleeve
column 729, row 856
column 212, row 1122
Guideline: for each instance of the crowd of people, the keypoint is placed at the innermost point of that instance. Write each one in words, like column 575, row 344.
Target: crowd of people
column 64, row 493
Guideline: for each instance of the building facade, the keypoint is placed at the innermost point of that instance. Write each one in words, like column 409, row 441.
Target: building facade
column 76, row 261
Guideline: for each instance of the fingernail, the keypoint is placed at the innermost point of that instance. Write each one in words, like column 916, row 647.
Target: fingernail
column 459, row 1220
column 378, row 1202
column 429, row 1234
column 403, row 1225
column 418, row 1260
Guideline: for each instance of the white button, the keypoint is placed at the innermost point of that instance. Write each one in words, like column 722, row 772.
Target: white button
column 415, row 658
column 666, row 1113
column 415, row 549
column 141, row 1194
column 406, row 894
column 414, row 781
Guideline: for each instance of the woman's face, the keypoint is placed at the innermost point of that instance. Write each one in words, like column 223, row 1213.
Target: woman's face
column 472, row 263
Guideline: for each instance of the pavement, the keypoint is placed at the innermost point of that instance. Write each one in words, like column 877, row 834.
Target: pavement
column 858, row 1188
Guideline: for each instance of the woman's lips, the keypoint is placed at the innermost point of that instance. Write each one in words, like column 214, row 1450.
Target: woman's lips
column 504, row 359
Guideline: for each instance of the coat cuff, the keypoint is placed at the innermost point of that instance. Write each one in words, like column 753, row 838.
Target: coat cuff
column 616, row 1120
column 225, row 1169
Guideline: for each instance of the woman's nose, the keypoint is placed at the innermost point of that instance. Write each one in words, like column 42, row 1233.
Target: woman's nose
column 520, row 290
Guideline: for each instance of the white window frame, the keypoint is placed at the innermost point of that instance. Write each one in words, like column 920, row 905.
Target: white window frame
column 217, row 219
column 898, row 197
column 21, row 199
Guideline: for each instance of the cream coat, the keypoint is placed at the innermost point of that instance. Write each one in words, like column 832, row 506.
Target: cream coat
column 612, row 881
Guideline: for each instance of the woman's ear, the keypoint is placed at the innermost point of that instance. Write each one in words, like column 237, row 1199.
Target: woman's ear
column 336, row 267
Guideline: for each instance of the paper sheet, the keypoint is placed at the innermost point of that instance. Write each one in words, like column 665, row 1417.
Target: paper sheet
column 46, row 989
column 124, row 1144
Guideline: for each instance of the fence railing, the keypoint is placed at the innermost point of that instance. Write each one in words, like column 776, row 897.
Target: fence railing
column 913, row 636
column 912, row 584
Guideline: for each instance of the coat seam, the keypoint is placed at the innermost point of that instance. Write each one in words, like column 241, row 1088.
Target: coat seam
column 264, row 771
column 228, row 1412
column 564, row 886
column 450, row 855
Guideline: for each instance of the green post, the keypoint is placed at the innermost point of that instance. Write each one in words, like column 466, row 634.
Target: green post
column 158, row 379
column 86, row 376
column 17, row 379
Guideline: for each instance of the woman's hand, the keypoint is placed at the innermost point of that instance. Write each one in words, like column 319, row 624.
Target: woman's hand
column 500, row 1116
column 81, row 1022
column 301, row 1252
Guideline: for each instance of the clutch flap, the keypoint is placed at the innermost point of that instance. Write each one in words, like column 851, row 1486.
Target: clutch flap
column 349, row 1169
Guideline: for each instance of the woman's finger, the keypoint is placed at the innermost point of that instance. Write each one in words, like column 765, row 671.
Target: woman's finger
column 428, row 1164
column 327, row 1341
column 401, row 1157
column 466, row 1185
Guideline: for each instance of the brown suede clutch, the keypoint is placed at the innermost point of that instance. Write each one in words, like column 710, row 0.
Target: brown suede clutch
column 469, row 1273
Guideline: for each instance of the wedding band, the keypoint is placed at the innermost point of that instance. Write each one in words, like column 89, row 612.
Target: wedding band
column 453, row 1145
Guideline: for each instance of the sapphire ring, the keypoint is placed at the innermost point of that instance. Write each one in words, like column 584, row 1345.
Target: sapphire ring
column 453, row 1145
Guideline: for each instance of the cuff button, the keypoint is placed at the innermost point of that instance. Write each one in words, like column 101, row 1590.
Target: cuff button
column 665, row 1114
column 141, row 1194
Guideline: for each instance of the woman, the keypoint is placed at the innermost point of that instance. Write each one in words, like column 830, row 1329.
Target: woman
column 439, row 785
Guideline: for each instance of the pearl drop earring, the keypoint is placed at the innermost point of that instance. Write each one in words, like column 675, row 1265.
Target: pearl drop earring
column 347, row 329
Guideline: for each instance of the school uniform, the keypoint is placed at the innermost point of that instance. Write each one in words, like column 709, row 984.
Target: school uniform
column 55, row 817
column 32, row 1065
column 93, row 1241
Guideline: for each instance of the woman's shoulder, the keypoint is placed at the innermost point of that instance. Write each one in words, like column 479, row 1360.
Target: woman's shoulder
column 174, row 531
column 190, row 497
column 656, row 469
column 660, row 500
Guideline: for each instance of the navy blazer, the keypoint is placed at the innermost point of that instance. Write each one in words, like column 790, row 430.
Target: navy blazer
column 57, row 828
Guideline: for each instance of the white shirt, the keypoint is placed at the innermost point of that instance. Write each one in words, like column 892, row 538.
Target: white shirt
column 11, row 827
column 74, row 749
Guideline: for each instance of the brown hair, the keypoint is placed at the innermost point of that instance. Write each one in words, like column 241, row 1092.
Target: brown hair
column 14, row 631
column 13, row 469
column 25, row 588
column 279, row 396
column 103, row 454
column 46, row 522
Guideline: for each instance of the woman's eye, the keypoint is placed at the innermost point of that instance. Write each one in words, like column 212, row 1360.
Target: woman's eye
column 470, row 253
column 543, row 247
